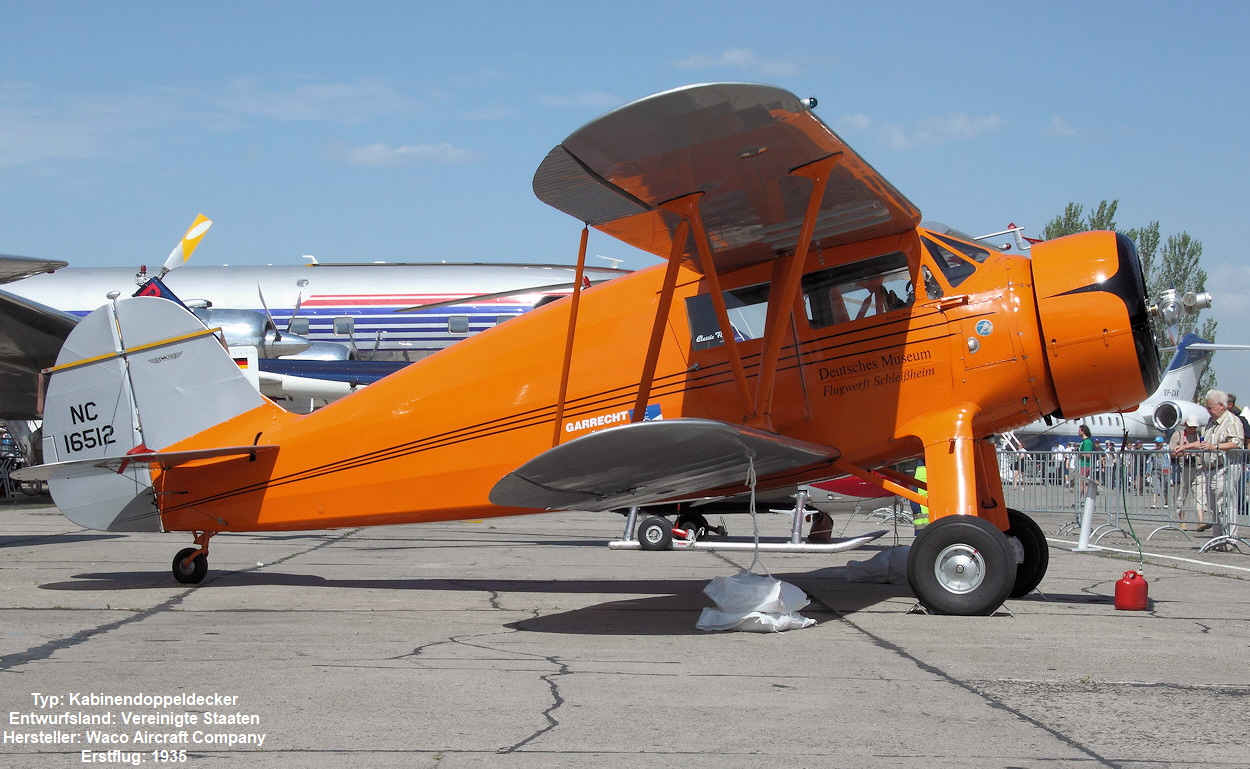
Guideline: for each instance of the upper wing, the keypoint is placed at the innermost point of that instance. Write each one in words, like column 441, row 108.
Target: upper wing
column 17, row 267
column 647, row 462
column 30, row 337
column 737, row 143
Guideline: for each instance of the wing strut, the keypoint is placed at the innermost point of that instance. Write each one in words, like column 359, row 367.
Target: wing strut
column 688, row 208
column 568, row 337
column 779, row 305
column 661, row 318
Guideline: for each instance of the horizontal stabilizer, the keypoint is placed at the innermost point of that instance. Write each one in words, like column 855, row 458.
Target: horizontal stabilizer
column 647, row 462
column 78, row 468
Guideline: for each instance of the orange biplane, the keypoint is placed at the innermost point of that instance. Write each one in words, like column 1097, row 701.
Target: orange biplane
column 803, row 326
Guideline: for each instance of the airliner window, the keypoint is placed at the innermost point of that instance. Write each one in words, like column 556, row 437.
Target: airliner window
column 457, row 324
column 298, row 326
column 955, row 268
column 858, row 290
column 344, row 325
column 747, row 308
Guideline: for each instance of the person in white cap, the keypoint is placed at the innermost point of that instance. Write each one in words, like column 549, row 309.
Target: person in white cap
column 1182, row 446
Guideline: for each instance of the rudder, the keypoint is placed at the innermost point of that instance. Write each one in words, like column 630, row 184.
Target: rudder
column 136, row 374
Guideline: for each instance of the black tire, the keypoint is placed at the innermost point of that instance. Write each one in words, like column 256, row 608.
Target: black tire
column 31, row 488
column 693, row 521
column 193, row 574
column 655, row 534
column 962, row 565
column 1032, row 569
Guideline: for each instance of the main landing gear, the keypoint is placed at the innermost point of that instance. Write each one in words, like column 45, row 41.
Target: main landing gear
column 962, row 564
column 191, row 564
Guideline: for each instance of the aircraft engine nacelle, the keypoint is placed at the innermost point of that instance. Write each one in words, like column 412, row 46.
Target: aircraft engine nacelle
column 1091, row 302
column 1169, row 415
column 248, row 328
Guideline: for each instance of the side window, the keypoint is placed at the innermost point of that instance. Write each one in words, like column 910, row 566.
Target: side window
column 954, row 267
column 344, row 325
column 457, row 324
column 858, row 290
column 747, row 308
column 298, row 326
column 967, row 250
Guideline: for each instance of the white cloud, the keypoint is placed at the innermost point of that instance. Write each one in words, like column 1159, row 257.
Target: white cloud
column 930, row 132
column 858, row 123
column 582, row 99
column 354, row 102
column 744, row 59
column 384, row 155
column 1058, row 127
column 1232, row 297
column 37, row 127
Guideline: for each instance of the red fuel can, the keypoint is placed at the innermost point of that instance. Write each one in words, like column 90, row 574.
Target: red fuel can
column 1130, row 592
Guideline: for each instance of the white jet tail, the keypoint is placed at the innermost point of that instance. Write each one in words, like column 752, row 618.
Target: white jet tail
column 134, row 378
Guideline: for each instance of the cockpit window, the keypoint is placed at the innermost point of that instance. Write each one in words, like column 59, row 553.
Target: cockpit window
column 955, row 268
column 747, row 309
column 975, row 253
column 858, row 290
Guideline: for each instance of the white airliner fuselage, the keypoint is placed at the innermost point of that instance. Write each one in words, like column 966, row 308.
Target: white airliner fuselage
column 351, row 304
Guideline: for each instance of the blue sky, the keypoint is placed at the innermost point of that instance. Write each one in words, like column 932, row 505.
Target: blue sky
column 410, row 131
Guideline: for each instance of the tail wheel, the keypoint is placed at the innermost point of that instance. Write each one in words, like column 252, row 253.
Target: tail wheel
column 961, row 564
column 1033, row 556
column 190, row 573
column 655, row 534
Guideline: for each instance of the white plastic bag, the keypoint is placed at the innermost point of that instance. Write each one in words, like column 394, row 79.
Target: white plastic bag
column 753, row 603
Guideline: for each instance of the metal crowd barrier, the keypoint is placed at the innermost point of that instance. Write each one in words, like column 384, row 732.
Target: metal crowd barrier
column 1139, row 485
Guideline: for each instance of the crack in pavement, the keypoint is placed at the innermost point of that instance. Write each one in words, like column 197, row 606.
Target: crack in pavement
column 45, row 650
column 989, row 699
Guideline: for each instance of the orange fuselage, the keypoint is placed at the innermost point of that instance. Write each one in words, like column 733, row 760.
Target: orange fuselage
column 934, row 378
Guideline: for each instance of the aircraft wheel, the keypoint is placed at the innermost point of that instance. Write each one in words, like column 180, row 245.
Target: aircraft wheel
column 696, row 522
column 961, row 564
column 655, row 534
column 31, row 488
column 1034, row 555
column 193, row 574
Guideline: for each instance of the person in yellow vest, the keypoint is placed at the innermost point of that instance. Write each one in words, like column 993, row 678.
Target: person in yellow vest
column 920, row 513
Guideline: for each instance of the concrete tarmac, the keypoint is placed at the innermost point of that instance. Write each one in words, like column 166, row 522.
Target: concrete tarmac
column 526, row 642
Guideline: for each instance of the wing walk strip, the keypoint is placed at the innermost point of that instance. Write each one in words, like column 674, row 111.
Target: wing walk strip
column 587, row 405
column 132, row 350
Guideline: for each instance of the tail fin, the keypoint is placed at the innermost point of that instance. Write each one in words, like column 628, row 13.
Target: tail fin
column 137, row 375
column 1186, row 368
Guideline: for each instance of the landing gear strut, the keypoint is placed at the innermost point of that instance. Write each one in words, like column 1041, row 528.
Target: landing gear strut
column 191, row 564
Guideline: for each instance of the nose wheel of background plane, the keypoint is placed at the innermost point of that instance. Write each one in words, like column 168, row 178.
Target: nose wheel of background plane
column 962, row 564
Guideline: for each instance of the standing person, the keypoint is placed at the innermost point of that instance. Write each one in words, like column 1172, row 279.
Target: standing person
column 1085, row 463
column 1160, row 465
column 1189, row 478
column 1223, row 433
column 1061, row 463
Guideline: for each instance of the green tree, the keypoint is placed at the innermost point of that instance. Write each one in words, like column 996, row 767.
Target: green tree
column 1175, row 265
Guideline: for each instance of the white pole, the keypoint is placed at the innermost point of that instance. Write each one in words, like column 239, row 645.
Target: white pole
column 1087, row 520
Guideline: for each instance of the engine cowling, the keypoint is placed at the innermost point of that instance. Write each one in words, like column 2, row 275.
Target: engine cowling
column 1091, row 300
